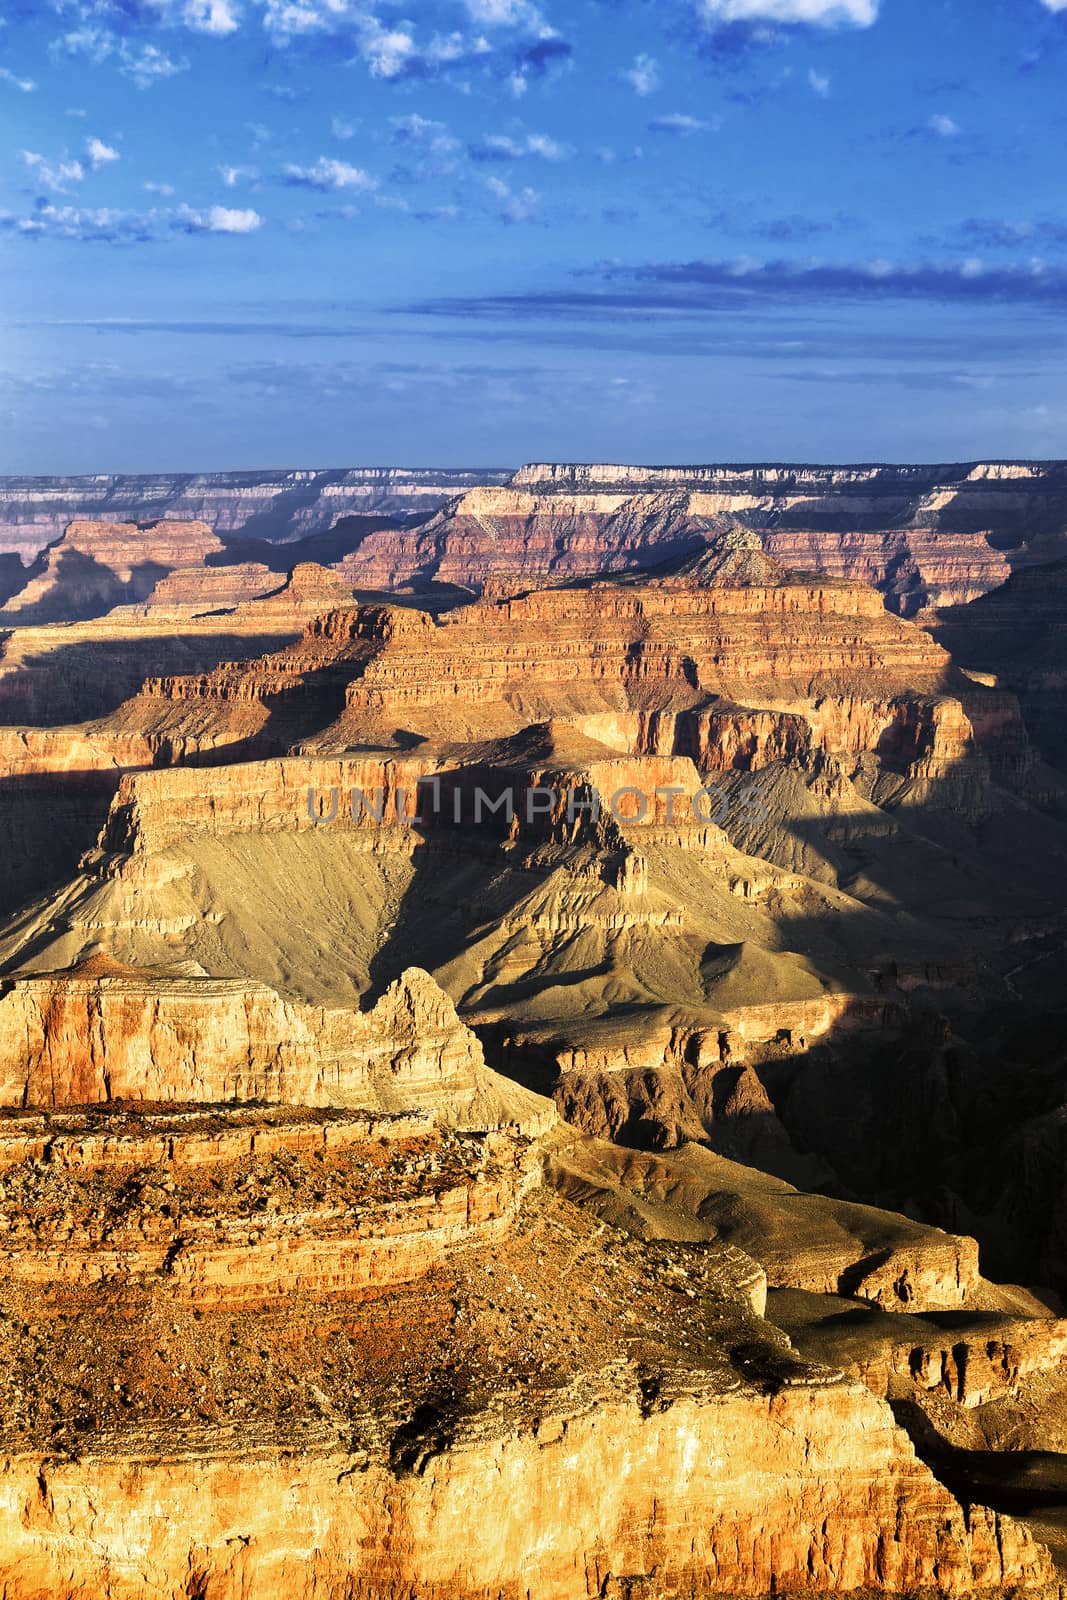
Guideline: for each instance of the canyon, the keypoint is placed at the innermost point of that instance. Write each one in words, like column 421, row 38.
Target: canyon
column 276, row 506
column 531, row 1034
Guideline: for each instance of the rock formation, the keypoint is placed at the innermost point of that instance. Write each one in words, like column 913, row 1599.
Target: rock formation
column 922, row 535
column 278, row 506
column 531, row 1043
column 101, row 1032
column 98, row 565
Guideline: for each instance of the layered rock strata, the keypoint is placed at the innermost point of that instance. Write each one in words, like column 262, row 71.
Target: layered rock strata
column 98, row 565
column 222, row 1209
column 733, row 677
column 99, row 1033
column 921, row 535
column 279, row 506
column 597, row 1401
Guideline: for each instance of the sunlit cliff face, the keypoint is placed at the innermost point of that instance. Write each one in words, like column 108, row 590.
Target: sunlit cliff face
column 530, row 1029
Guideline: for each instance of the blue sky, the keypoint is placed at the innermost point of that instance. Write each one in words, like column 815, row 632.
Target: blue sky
column 261, row 233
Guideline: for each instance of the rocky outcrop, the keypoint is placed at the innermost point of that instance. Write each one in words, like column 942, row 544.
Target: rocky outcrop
column 802, row 1241
column 100, row 1033
column 238, row 1209
column 376, row 796
column 991, row 1356
column 307, row 589
column 192, row 619
column 600, row 1397
column 877, row 479
column 203, row 590
column 915, row 568
column 663, row 670
column 98, row 565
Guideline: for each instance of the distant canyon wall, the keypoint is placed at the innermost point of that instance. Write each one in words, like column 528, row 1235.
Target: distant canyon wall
column 923, row 535
column 278, row 506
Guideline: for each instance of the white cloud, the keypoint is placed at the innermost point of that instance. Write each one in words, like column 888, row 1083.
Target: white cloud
column 414, row 129
column 59, row 175
column 232, row 176
column 387, row 51
column 24, row 85
column 423, row 134
column 819, row 83
column 73, row 222
column 53, row 175
column 219, row 17
column 109, row 225
column 515, row 206
column 944, row 127
column 644, row 75
column 286, row 18
column 148, row 64
column 341, row 128
column 145, row 63
column 92, row 44
column 679, row 122
column 1054, row 5
column 164, row 189
column 328, row 173
column 502, row 147
column 219, row 219
column 507, row 14
column 99, row 154
column 816, row 13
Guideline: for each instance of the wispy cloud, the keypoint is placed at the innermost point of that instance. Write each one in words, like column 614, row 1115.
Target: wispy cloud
column 59, row 175
column 643, row 76
column 232, row 177
column 819, row 83
column 145, row 64
column 502, row 147
column 698, row 288
column 997, row 233
column 414, row 129
column 514, row 205
column 679, row 123
column 113, row 225
column 943, row 127
column 23, row 85
column 509, row 40
column 505, row 13
column 55, row 175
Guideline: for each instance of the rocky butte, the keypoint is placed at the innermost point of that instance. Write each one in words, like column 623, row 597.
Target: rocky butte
column 650, row 1192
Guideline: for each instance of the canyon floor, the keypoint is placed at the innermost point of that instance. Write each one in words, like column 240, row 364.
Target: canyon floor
column 532, row 1049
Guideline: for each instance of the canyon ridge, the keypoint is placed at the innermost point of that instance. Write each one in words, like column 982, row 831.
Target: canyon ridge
column 532, row 1031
